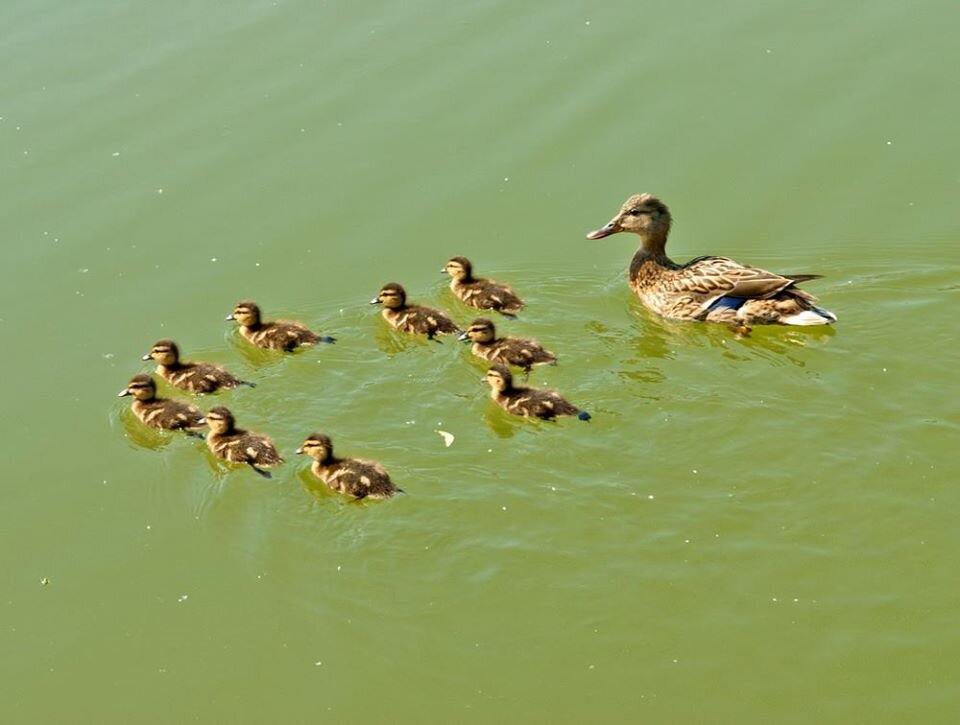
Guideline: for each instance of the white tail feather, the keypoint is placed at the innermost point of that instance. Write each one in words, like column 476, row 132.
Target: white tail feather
column 814, row 316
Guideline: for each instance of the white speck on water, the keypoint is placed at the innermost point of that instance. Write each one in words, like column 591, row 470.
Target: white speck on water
column 889, row 143
column 410, row 422
column 686, row 541
column 115, row 154
column 587, row 22
column 694, row 470
column 149, row 527
column 339, row 568
column 774, row 599
column 795, row 599
column 213, row 259
column 108, row 356
column 183, row 598
column 650, row 497
column 489, row 450
column 503, row 508
column 553, row 488
column 592, row 667
column 317, row 663
column 18, row 128
column 84, row 270
column 159, row 191
column 506, row 178
column 768, row 51
column 884, row 370
column 448, row 438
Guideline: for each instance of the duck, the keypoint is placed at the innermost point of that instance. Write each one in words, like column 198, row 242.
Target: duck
column 352, row 476
column 484, row 294
column 193, row 377
column 527, row 402
column 415, row 319
column 517, row 351
column 162, row 413
column 236, row 445
column 710, row 289
column 277, row 335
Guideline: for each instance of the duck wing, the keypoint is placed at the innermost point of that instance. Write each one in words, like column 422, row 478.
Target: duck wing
column 715, row 277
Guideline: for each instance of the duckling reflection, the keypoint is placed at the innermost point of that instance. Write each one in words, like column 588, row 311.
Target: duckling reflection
column 484, row 294
column 229, row 443
column 277, row 335
column 162, row 413
column 522, row 352
column 527, row 402
column 194, row 377
column 415, row 319
column 352, row 476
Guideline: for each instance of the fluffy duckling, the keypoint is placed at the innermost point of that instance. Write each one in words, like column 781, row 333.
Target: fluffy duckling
column 484, row 294
column 353, row 476
column 527, row 402
column 239, row 446
column 507, row 350
column 195, row 377
column 712, row 289
column 278, row 335
column 160, row 412
column 415, row 319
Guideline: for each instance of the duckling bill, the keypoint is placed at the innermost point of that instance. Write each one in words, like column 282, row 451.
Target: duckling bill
column 484, row 294
column 711, row 289
column 276, row 335
column 229, row 443
column 414, row 319
column 527, row 402
column 517, row 351
column 162, row 413
column 352, row 476
column 191, row 376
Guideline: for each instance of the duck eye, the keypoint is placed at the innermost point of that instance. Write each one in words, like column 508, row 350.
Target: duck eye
column 635, row 212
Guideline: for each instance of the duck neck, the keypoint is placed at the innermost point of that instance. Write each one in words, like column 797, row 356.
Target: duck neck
column 652, row 249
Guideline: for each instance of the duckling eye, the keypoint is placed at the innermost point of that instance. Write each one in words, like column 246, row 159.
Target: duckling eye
column 636, row 212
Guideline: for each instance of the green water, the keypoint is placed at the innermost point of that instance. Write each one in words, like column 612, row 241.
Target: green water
column 755, row 530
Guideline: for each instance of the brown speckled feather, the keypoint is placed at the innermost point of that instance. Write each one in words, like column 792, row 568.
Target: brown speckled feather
column 198, row 377
column 485, row 294
column 356, row 477
column 420, row 320
column 517, row 351
column 168, row 414
column 280, row 335
column 240, row 446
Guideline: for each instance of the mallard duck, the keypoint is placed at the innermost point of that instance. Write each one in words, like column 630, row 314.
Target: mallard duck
column 528, row 402
column 239, row 446
column 195, row 377
column 507, row 350
column 712, row 289
column 415, row 319
column 353, row 476
column 278, row 335
column 484, row 294
column 160, row 412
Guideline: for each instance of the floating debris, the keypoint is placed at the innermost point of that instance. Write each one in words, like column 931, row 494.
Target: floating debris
column 448, row 438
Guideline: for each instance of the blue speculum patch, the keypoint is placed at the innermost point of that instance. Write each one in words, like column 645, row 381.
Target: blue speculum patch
column 733, row 303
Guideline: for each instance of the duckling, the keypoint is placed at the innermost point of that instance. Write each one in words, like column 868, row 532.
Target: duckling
column 239, row 446
column 507, row 350
column 484, row 294
column 415, row 319
column 527, row 402
column 160, row 412
column 352, row 476
column 195, row 377
column 711, row 289
column 278, row 335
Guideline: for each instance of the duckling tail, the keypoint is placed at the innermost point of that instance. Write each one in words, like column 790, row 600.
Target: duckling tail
column 265, row 474
column 583, row 415
column 327, row 338
column 247, row 383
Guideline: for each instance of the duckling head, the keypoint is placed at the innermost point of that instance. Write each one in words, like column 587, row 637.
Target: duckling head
column 164, row 352
column 140, row 387
column 391, row 295
column 499, row 378
column 220, row 419
column 318, row 446
column 246, row 313
column 460, row 268
column 642, row 214
column 481, row 330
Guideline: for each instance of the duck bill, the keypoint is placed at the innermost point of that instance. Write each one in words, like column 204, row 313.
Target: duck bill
column 375, row 301
column 464, row 337
column 606, row 230
column 299, row 451
column 201, row 422
column 229, row 317
column 146, row 357
column 123, row 393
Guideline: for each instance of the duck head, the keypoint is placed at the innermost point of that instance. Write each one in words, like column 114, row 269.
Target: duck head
column 642, row 214
column 392, row 296
column 499, row 378
column 318, row 446
column 220, row 420
column 246, row 313
column 164, row 352
column 140, row 387
column 460, row 268
column 481, row 330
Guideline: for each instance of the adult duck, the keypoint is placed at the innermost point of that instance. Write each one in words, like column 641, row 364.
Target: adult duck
column 710, row 289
